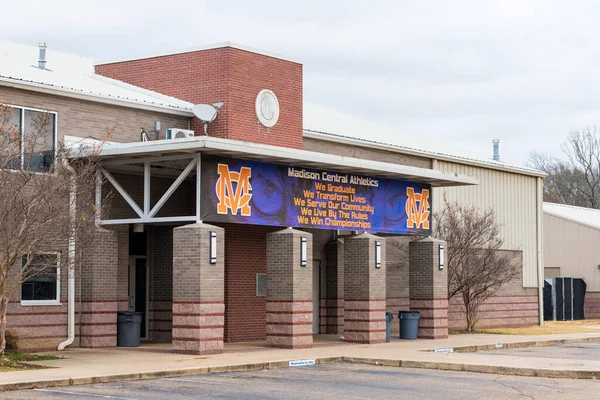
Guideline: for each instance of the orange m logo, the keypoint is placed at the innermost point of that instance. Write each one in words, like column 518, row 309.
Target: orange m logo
column 417, row 208
column 231, row 198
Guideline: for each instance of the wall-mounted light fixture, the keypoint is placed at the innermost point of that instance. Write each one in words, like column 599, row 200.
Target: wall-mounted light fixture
column 303, row 252
column 213, row 247
column 377, row 254
column 441, row 255
column 138, row 228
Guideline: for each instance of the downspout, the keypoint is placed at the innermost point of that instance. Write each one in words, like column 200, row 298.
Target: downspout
column 540, row 265
column 71, row 260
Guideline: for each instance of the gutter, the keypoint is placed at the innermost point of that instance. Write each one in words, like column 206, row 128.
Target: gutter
column 540, row 265
column 71, row 261
column 80, row 95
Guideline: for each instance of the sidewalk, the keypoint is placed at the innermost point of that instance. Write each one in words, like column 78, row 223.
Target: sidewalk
column 81, row 366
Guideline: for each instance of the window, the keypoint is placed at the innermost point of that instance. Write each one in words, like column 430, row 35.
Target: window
column 32, row 139
column 42, row 284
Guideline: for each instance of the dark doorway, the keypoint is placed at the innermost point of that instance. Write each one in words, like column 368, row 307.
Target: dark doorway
column 138, row 276
column 138, row 289
column 141, row 280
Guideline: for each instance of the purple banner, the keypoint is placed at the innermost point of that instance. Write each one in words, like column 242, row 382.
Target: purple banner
column 251, row 192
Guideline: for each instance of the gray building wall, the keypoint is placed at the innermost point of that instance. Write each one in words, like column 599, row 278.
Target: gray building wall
column 89, row 119
column 572, row 249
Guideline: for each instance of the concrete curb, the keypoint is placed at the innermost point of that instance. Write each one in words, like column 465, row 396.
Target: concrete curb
column 488, row 369
column 157, row 374
column 447, row 366
column 518, row 345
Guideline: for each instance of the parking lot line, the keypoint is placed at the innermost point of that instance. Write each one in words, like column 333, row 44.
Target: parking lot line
column 194, row 380
column 102, row 396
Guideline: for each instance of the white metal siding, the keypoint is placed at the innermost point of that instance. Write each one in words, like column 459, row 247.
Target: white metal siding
column 574, row 248
column 513, row 198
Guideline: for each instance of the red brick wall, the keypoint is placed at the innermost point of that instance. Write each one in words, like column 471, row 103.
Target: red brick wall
column 246, row 256
column 225, row 74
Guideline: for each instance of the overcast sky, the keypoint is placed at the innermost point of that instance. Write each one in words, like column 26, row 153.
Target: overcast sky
column 525, row 72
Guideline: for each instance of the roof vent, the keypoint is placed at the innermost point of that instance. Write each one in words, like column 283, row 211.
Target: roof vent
column 496, row 146
column 42, row 58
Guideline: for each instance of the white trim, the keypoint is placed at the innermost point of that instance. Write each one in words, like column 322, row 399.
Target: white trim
column 22, row 132
column 200, row 48
column 198, row 187
column 269, row 123
column 29, row 303
column 80, row 95
column 98, row 197
column 287, row 156
column 156, row 220
column 127, row 161
column 58, row 282
column 147, row 188
column 332, row 137
column 539, row 244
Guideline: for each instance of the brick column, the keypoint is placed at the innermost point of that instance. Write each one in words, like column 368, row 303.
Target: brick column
column 398, row 280
column 198, row 290
column 364, row 290
column 429, row 288
column 289, row 290
column 99, row 298
column 334, row 277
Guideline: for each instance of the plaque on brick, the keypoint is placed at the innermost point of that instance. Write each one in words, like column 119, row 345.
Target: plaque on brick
column 261, row 285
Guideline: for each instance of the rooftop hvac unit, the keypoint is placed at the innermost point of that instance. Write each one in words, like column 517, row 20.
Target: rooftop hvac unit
column 176, row 133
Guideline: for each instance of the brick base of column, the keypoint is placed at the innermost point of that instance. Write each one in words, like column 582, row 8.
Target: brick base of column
column 434, row 317
column 335, row 316
column 290, row 324
column 198, row 327
column 364, row 321
column 99, row 323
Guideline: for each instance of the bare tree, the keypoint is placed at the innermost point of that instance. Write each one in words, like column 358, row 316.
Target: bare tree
column 477, row 268
column 46, row 202
column 575, row 180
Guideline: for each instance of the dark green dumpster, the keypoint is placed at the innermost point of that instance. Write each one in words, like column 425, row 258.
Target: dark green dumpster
column 409, row 324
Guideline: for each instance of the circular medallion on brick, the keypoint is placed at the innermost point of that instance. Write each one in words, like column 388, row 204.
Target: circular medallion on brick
column 267, row 108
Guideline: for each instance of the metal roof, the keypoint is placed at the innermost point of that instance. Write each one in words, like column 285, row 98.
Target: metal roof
column 326, row 124
column 139, row 151
column 73, row 76
column 582, row 215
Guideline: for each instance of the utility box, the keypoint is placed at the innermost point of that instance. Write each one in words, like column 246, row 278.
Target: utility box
column 564, row 299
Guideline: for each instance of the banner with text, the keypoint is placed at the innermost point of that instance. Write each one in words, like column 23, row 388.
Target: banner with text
column 251, row 192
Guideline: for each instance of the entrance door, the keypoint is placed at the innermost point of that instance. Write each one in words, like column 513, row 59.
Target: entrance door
column 138, row 290
column 316, row 295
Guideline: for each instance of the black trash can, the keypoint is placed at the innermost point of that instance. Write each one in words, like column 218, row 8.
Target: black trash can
column 388, row 326
column 128, row 329
column 409, row 324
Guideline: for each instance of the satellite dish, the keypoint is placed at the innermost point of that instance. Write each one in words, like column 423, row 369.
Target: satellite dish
column 207, row 113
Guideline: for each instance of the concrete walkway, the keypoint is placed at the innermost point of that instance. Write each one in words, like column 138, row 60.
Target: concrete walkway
column 83, row 366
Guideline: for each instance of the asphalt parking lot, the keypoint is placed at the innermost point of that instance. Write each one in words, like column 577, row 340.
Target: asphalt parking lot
column 347, row 381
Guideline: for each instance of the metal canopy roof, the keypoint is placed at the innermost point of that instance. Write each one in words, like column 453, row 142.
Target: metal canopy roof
column 137, row 152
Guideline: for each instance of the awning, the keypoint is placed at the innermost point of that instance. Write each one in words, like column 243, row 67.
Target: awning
column 139, row 152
